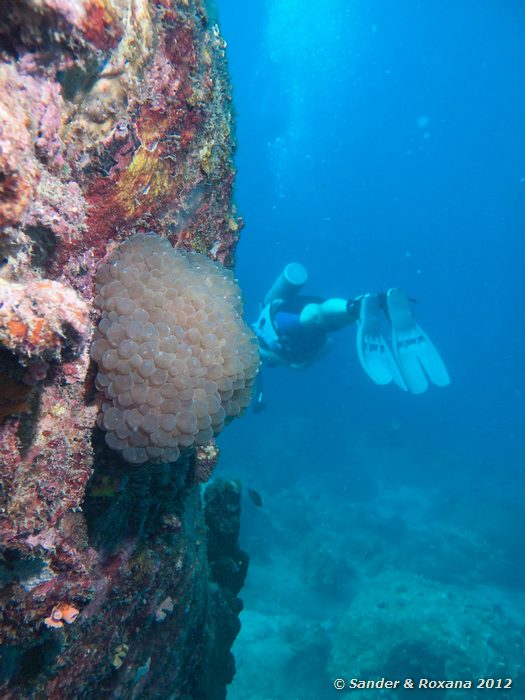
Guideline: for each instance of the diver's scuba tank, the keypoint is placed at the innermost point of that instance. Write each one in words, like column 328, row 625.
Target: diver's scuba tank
column 288, row 284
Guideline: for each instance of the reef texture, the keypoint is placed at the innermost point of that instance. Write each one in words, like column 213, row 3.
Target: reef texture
column 408, row 627
column 115, row 119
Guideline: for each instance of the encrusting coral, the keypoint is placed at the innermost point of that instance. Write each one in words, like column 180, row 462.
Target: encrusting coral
column 115, row 119
column 176, row 360
column 13, row 396
column 204, row 461
column 41, row 319
column 61, row 613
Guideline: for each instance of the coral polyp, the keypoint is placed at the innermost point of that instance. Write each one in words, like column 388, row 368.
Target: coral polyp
column 176, row 360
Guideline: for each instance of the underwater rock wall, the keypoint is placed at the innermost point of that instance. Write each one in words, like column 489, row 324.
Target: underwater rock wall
column 115, row 119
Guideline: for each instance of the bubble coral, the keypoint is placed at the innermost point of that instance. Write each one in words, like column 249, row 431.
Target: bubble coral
column 176, row 360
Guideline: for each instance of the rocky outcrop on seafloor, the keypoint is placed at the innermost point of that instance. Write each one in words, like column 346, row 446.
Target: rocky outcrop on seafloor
column 115, row 120
column 410, row 627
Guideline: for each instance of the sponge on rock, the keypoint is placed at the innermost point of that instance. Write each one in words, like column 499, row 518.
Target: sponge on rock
column 176, row 360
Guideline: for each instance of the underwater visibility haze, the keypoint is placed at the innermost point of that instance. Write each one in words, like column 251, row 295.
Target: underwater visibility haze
column 382, row 144
column 319, row 205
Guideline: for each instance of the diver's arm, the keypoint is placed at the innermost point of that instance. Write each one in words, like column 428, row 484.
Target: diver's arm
column 269, row 358
column 323, row 350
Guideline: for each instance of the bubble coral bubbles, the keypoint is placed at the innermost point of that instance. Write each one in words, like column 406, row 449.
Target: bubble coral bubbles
column 176, row 359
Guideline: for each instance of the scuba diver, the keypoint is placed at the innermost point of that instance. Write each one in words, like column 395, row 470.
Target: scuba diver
column 293, row 330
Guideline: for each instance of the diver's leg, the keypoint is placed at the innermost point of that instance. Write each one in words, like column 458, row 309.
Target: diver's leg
column 330, row 315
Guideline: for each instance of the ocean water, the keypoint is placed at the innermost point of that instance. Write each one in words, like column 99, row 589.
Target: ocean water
column 382, row 144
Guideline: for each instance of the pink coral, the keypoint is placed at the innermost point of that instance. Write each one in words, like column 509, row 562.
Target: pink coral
column 18, row 170
column 115, row 119
column 41, row 319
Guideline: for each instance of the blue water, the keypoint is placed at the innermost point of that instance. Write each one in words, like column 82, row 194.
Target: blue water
column 381, row 144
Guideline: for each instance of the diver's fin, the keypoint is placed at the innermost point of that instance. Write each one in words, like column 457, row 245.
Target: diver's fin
column 417, row 358
column 372, row 349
